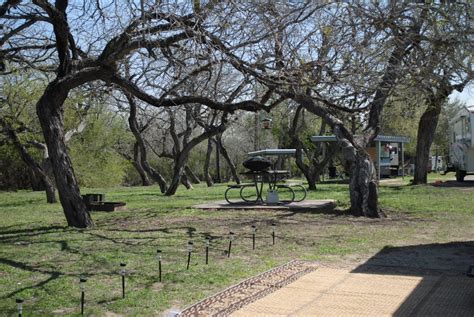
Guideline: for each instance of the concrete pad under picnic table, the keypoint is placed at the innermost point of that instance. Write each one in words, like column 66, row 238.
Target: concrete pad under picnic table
column 306, row 205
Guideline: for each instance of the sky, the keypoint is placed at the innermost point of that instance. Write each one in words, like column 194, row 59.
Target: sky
column 467, row 96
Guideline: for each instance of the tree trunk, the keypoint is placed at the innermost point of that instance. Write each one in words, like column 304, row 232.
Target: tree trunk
column 185, row 180
column 190, row 174
column 363, row 186
column 218, row 163
column 36, row 183
column 132, row 121
column 229, row 161
column 50, row 114
column 178, row 171
column 427, row 129
column 35, row 168
column 138, row 166
column 207, row 162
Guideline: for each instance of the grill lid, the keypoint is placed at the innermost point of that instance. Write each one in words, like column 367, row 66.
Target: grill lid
column 257, row 163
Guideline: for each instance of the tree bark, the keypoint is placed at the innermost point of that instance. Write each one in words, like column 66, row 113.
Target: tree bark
column 50, row 114
column 207, row 162
column 191, row 176
column 363, row 186
column 132, row 121
column 185, row 180
column 178, row 171
column 218, row 163
column 228, row 159
column 137, row 163
column 36, row 169
column 182, row 156
column 426, row 131
column 427, row 128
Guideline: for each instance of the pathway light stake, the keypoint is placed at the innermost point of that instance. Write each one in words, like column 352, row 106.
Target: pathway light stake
column 208, row 242
column 158, row 256
column 231, row 238
column 19, row 304
column 273, row 232
column 82, row 285
column 122, row 272
column 254, row 231
column 190, row 250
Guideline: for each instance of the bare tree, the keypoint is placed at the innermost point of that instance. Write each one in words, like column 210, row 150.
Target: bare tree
column 40, row 36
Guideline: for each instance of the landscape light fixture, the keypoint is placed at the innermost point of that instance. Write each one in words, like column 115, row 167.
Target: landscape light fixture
column 231, row 238
column 82, row 286
column 266, row 123
column 208, row 242
column 254, row 231
column 159, row 257
column 122, row 273
column 273, row 232
column 190, row 250
column 19, row 305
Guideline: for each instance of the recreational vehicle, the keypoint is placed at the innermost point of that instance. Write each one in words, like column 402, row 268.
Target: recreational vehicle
column 461, row 139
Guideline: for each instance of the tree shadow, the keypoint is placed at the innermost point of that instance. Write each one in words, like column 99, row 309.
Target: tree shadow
column 25, row 267
column 6, row 235
column 454, row 184
column 443, row 288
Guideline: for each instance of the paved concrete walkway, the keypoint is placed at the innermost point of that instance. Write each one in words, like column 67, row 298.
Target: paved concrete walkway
column 338, row 292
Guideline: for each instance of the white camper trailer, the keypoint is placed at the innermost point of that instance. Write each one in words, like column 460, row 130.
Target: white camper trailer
column 461, row 151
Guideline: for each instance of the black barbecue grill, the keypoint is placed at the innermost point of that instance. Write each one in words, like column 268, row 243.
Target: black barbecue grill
column 257, row 164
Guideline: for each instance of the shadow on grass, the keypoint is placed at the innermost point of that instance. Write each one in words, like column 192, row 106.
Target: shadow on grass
column 29, row 232
column 25, row 267
column 443, row 290
column 455, row 184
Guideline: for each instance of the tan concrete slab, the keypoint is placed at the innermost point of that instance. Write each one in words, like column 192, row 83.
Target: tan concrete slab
column 307, row 205
column 334, row 292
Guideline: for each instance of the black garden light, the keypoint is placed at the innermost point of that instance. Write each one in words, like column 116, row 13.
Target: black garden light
column 208, row 243
column 19, row 305
column 273, row 232
column 122, row 273
column 82, row 286
column 159, row 257
column 190, row 250
column 231, row 238
column 254, row 232
column 266, row 123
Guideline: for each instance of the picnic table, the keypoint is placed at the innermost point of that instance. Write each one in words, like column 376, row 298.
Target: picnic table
column 278, row 192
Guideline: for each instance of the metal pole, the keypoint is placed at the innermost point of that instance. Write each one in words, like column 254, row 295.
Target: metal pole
column 378, row 158
column 82, row 303
column 254, row 228
column 189, row 260
column 159, row 269
column 207, row 249
column 122, row 272
column 273, row 233
column 190, row 249
column 158, row 252
column 403, row 161
column 231, row 237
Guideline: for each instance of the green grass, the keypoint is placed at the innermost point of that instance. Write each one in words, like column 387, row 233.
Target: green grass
column 41, row 259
